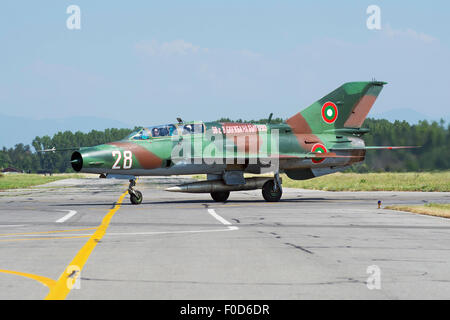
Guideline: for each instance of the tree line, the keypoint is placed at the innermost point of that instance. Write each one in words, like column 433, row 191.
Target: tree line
column 24, row 158
column 433, row 137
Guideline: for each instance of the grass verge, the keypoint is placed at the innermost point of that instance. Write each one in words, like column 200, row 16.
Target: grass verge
column 386, row 181
column 432, row 209
column 18, row 181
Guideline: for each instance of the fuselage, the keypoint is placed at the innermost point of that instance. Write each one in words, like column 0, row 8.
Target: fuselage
column 213, row 147
column 321, row 139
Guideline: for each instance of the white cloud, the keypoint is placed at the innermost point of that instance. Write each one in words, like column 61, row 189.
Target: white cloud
column 409, row 33
column 175, row 47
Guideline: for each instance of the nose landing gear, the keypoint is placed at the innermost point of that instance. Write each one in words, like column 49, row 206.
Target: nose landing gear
column 135, row 195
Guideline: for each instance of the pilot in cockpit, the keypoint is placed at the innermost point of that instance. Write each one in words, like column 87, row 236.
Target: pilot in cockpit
column 144, row 134
column 163, row 131
column 155, row 132
column 188, row 129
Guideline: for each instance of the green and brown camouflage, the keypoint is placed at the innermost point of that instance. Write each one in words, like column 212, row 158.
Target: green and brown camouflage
column 323, row 138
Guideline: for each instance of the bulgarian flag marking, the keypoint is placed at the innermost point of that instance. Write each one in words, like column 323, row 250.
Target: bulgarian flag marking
column 320, row 148
column 329, row 112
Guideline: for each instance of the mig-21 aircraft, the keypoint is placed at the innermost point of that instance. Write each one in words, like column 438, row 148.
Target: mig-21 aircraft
column 323, row 138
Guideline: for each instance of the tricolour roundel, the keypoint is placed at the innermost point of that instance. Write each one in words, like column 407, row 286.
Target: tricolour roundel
column 318, row 147
column 329, row 112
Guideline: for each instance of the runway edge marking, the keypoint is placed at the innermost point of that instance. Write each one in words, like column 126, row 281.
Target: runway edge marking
column 61, row 289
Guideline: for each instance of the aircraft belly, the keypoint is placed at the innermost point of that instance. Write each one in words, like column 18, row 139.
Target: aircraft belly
column 180, row 169
column 307, row 163
column 309, row 173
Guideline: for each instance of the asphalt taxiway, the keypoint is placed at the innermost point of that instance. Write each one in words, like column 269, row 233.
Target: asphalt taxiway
column 310, row 245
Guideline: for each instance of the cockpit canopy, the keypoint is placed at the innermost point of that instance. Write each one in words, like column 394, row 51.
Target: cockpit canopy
column 167, row 130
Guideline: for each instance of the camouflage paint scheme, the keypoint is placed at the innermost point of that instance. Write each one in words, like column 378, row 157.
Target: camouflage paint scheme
column 321, row 139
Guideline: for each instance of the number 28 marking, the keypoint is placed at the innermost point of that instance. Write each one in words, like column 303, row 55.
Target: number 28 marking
column 127, row 159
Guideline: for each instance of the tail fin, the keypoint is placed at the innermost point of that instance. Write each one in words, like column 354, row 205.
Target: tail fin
column 345, row 107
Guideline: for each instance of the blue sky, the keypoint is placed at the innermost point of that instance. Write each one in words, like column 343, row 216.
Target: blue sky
column 148, row 62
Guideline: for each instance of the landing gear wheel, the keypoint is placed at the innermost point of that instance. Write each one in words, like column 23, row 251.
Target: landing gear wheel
column 220, row 196
column 136, row 197
column 268, row 192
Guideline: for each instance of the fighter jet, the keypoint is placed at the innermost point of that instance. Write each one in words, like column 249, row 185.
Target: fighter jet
column 324, row 138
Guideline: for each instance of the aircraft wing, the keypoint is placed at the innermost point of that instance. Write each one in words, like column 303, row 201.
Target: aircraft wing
column 316, row 155
column 59, row 150
column 310, row 155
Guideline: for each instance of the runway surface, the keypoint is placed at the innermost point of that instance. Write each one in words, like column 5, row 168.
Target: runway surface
column 310, row 245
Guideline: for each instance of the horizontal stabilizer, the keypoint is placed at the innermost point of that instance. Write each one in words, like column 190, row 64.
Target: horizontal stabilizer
column 359, row 131
column 377, row 148
column 390, row 148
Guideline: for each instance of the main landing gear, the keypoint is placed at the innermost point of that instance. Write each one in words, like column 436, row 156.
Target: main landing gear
column 272, row 190
column 221, row 196
column 135, row 195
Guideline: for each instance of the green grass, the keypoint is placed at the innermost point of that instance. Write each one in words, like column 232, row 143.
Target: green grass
column 432, row 209
column 18, row 181
column 445, row 206
column 387, row 181
column 408, row 181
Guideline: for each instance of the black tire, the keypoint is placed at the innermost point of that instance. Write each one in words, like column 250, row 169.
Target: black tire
column 220, row 196
column 136, row 198
column 269, row 194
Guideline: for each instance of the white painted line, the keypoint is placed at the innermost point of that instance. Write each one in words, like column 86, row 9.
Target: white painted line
column 215, row 215
column 44, row 235
column 230, row 228
column 67, row 216
column 12, row 225
column 210, row 211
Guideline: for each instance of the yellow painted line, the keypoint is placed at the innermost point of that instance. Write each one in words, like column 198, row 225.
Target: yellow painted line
column 52, row 238
column 44, row 280
column 43, row 232
column 68, row 278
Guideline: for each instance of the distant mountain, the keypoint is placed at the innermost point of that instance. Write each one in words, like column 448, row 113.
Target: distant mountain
column 408, row 115
column 14, row 130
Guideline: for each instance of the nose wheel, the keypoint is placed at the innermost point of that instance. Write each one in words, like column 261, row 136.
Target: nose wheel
column 135, row 195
